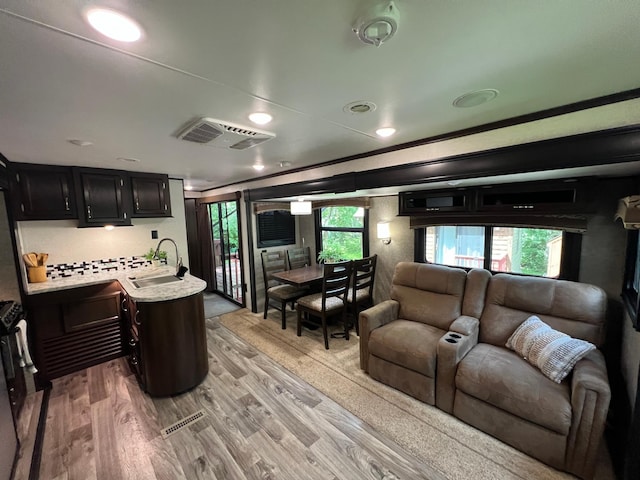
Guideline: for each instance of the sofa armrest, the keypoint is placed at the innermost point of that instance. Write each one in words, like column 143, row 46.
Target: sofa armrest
column 452, row 348
column 465, row 325
column 369, row 320
column 590, row 397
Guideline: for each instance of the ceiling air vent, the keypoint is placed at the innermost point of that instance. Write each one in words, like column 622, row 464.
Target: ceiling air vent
column 216, row 133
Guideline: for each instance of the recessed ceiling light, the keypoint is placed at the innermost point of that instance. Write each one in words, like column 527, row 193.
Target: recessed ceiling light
column 188, row 187
column 113, row 24
column 258, row 166
column 385, row 132
column 260, row 118
column 80, row 143
column 473, row 99
column 128, row 159
column 359, row 107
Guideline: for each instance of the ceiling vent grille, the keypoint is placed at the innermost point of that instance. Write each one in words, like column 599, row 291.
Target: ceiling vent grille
column 216, row 133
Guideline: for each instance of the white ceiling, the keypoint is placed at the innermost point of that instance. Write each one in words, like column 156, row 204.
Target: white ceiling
column 299, row 61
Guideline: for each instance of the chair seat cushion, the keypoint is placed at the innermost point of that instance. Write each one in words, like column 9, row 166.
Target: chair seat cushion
column 408, row 344
column 285, row 292
column 314, row 302
column 501, row 378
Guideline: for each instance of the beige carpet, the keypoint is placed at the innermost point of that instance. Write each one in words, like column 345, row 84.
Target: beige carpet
column 438, row 439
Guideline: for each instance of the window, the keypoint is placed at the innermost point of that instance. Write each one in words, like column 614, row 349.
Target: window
column 277, row 227
column 342, row 232
column 631, row 288
column 527, row 251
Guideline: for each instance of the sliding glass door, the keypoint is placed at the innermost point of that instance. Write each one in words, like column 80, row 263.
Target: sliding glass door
column 227, row 278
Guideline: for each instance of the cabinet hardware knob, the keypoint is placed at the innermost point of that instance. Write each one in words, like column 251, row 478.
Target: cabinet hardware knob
column 66, row 203
column 12, row 389
column 132, row 342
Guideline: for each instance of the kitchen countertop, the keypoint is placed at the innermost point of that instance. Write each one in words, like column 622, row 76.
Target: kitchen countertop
column 188, row 286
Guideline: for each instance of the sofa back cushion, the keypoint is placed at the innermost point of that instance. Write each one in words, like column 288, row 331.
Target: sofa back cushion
column 577, row 309
column 428, row 293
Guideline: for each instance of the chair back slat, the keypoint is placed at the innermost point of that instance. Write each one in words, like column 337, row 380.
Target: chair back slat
column 336, row 280
column 364, row 273
column 272, row 262
column 298, row 257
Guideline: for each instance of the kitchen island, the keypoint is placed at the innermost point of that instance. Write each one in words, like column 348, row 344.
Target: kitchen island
column 80, row 321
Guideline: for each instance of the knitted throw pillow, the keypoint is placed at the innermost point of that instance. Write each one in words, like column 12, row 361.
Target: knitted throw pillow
column 554, row 353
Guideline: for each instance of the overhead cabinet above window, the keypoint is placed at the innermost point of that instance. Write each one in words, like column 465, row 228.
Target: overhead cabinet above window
column 531, row 198
column 95, row 197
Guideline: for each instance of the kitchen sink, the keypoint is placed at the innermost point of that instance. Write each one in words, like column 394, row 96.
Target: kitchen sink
column 150, row 282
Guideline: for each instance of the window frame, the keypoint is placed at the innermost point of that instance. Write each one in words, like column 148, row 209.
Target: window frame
column 631, row 296
column 569, row 264
column 364, row 230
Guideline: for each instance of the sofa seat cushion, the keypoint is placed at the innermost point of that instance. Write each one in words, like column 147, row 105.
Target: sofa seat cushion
column 408, row 344
column 501, row 378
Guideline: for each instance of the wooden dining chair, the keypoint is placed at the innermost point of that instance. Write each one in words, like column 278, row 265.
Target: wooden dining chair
column 273, row 262
column 298, row 257
column 332, row 301
column 360, row 294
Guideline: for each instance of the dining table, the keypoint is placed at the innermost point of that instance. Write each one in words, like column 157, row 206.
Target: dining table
column 301, row 277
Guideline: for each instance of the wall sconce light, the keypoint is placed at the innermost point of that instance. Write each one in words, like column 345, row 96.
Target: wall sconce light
column 301, row 207
column 384, row 232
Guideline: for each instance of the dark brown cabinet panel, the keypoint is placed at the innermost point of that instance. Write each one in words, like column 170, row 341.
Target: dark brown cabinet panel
column 150, row 195
column 43, row 193
column 103, row 197
column 440, row 201
column 74, row 329
column 167, row 344
column 532, row 198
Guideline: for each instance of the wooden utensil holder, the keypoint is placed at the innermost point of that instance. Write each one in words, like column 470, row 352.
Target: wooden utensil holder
column 37, row 274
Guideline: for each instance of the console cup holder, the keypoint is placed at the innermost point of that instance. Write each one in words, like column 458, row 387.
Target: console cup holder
column 452, row 337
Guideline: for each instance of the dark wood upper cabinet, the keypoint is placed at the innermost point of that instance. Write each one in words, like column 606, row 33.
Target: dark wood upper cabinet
column 103, row 197
column 527, row 198
column 534, row 198
column 440, row 201
column 150, row 195
column 42, row 193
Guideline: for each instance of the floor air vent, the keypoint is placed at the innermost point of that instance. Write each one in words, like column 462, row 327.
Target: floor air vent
column 184, row 423
column 216, row 133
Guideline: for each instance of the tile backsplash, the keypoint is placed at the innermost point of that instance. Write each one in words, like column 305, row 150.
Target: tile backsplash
column 65, row 270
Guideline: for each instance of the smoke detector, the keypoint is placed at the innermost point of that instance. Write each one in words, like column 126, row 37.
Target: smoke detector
column 378, row 23
column 221, row 134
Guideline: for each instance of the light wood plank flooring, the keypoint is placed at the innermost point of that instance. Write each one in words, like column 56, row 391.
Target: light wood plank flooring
column 261, row 422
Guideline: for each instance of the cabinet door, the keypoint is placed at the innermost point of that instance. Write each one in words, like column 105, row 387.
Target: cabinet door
column 150, row 195
column 437, row 201
column 103, row 198
column 43, row 193
column 530, row 198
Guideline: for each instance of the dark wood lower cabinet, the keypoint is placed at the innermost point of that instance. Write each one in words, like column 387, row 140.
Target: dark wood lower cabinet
column 75, row 329
column 168, row 344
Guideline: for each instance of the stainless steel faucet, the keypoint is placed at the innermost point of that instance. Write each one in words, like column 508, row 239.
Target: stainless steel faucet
column 180, row 269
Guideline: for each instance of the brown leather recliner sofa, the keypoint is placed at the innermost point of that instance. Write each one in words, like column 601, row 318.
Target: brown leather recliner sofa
column 441, row 338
